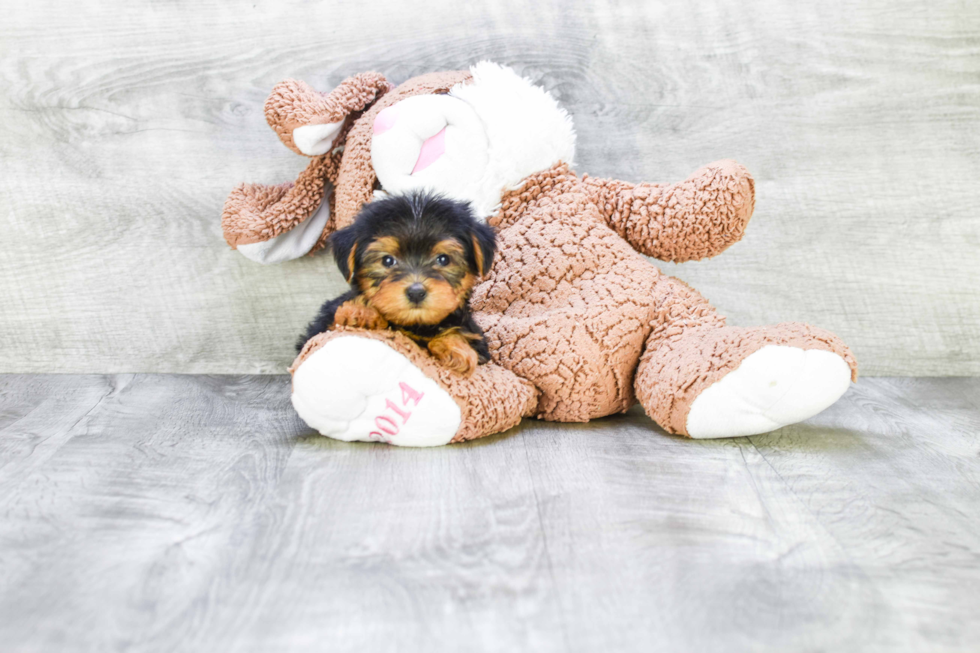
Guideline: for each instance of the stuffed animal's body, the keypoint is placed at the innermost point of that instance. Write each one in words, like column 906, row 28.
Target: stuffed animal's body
column 580, row 324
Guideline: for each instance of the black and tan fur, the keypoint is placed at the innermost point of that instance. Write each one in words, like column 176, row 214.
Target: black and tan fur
column 412, row 262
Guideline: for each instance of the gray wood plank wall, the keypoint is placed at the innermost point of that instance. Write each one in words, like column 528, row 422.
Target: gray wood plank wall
column 124, row 125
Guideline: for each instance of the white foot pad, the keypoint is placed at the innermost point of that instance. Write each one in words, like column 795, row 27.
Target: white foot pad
column 360, row 389
column 772, row 388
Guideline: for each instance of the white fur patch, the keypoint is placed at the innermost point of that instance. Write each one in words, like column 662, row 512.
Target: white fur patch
column 296, row 242
column 772, row 388
column 526, row 130
column 361, row 389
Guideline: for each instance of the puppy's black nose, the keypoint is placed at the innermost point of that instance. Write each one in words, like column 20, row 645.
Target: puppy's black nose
column 416, row 293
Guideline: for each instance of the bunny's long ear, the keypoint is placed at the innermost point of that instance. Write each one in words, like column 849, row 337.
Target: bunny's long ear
column 313, row 123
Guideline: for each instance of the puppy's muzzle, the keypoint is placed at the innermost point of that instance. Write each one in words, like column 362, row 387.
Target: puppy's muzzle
column 416, row 293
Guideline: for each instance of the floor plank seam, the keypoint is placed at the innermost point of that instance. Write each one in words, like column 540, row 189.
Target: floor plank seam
column 801, row 502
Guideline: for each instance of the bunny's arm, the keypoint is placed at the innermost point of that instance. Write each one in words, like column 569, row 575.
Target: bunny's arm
column 690, row 220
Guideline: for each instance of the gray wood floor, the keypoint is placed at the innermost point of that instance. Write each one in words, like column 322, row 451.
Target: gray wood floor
column 192, row 513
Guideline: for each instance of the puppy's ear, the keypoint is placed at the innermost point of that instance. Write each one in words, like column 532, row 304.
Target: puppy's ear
column 484, row 247
column 344, row 246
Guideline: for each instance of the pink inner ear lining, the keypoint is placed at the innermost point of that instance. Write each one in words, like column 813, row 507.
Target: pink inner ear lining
column 385, row 120
column 433, row 148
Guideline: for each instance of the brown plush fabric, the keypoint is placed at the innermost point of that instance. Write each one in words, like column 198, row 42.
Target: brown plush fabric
column 561, row 305
column 293, row 104
column 695, row 219
column 490, row 401
column 355, row 181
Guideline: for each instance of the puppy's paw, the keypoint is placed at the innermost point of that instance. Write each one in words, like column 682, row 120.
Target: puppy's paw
column 454, row 352
column 356, row 314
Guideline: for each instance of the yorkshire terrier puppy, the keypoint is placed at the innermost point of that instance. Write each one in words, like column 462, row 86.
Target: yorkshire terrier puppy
column 411, row 262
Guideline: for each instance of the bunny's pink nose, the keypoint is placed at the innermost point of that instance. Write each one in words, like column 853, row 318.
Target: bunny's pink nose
column 385, row 120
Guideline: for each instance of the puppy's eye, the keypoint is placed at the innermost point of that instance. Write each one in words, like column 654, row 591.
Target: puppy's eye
column 388, row 261
column 442, row 259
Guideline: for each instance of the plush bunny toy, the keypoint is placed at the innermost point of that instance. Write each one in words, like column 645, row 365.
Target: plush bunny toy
column 580, row 324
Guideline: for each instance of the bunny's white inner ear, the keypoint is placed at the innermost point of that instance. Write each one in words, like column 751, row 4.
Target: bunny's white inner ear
column 314, row 140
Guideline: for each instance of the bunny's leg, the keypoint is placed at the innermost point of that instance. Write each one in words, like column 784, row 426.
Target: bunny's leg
column 351, row 384
column 700, row 378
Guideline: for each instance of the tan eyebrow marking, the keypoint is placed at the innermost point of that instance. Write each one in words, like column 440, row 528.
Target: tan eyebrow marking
column 385, row 245
column 447, row 246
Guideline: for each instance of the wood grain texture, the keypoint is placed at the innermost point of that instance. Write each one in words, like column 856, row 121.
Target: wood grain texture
column 123, row 127
column 189, row 513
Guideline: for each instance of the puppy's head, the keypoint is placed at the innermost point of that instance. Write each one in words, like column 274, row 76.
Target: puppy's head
column 414, row 257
